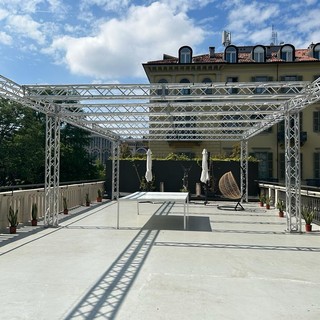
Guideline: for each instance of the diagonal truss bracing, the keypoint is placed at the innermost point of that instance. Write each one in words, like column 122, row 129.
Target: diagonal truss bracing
column 171, row 112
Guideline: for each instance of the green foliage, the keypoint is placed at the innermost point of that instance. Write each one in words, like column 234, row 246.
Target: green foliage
column 13, row 217
column 147, row 185
column 65, row 203
column 307, row 214
column 34, row 211
column 87, row 198
column 22, row 148
column 99, row 193
column 280, row 205
column 262, row 197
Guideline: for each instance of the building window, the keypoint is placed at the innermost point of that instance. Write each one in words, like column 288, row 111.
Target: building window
column 316, row 165
column 232, row 90
column 287, row 53
column 288, row 79
column 259, row 54
column 231, row 54
column 261, row 79
column 185, row 55
column 316, row 121
column 316, row 51
column 207, row 80
column 185, row 91
column 265, row 164
column 163, row 91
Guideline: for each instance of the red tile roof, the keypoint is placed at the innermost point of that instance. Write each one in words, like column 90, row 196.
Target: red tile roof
column 243, row 57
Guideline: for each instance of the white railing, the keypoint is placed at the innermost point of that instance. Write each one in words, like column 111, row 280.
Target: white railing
column 23, row 200
column 309, row 197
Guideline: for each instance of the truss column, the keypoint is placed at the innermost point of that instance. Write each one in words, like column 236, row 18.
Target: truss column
column 292, row 170
column 115, row 169
column 244, row 170
column 52, row 168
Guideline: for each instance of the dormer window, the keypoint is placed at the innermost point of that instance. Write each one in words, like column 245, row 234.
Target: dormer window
column 287, row 52
column 185, row 55
column 316, row 51
column 231, row 54
column 259, row 54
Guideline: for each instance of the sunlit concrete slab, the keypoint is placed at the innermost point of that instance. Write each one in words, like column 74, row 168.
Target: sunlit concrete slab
column 226, row 265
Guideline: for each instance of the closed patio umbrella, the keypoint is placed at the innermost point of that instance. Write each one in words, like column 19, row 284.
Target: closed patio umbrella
column 148, row 174
column 205, row 171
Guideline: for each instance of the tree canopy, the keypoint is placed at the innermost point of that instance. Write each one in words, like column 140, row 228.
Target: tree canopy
column 22, row 148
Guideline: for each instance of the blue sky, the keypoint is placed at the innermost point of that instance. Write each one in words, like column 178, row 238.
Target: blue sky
column 106, row 41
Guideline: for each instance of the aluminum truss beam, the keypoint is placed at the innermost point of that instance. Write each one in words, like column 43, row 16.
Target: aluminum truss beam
column 52, row 167
column 292, row 169
column 115, row 169
column 244, row 170
column 186, row 112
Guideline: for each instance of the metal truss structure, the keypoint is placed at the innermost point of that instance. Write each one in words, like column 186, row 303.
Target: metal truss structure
column 171, row 112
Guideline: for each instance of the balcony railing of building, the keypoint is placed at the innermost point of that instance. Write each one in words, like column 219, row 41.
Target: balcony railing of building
column 310, row 196
column 22, row 200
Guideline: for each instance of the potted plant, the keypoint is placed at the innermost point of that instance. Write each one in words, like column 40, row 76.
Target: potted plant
column 34, row 214
column 308, row 215
column 65, row 205
column 87, row 200
column 13, row 220
column 99, row 198
column 280, row 207
column 262, row 199
column 268, row 200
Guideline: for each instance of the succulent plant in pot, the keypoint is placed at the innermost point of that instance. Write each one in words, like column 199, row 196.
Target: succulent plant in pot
column 262, row 199
column 281, row 207
column 308, row 216
column 34, row 214
column 268, row 200
column 99, row 197
column 65, row 205
column 13, row 220
column 87, row 200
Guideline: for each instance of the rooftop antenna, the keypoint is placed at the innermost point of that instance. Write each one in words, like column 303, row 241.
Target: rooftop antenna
column 226, row 38
column 274, row 37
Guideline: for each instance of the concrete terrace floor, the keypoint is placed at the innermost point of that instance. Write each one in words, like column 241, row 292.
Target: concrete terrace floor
column 228, row 265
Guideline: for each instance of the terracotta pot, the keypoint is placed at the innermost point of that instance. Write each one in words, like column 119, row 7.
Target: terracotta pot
column 308, row 227
column 267, row 206
column 281, row 214
column 12, row 230
column 34, row 222
column 87, row 204
column 261, row 204
column 99, row 199
column 65, row 211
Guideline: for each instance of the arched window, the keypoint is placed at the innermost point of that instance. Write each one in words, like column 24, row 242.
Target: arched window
column 162, row 92
column 185, row 54
column 316, row 51
column 231, row 54
column 185, row 91
column 287, row 52
column 207, row 80
column 259, row 54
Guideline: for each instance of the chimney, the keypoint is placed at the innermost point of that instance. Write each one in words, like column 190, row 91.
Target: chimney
column 211, row 52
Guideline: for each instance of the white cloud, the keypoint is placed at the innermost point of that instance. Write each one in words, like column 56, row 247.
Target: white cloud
column 121, row 46
column 25, row 26
column 5, row 38
column 243, row 16
column 112, row 5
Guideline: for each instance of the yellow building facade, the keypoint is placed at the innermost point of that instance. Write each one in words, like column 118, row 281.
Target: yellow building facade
column 248, row 64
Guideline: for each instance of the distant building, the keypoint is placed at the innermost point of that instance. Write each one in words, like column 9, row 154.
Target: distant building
column 259, row 63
